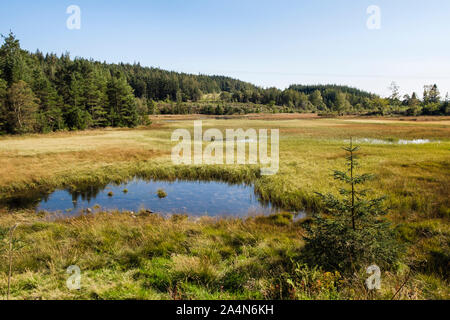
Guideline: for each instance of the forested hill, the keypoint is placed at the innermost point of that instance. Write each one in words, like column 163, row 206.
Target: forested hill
column 43, row 93
column 158, row 84
column 308, row 89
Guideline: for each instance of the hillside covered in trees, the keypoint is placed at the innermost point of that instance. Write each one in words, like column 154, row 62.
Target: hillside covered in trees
column 44, row 93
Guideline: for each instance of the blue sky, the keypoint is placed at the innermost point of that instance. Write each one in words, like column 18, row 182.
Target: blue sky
column 269, row 43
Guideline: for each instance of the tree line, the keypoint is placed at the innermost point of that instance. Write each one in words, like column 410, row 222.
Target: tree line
column 321, row 99
column 44, row 93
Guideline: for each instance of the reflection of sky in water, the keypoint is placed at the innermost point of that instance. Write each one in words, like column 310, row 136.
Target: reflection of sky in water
column 195, row 198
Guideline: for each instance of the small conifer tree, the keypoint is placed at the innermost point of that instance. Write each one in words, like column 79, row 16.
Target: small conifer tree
column 351, row 233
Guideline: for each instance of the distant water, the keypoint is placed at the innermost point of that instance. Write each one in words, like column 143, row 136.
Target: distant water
column 400, row 142
column 183, row 197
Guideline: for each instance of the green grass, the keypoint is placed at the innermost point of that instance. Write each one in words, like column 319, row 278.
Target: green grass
column 150, row 257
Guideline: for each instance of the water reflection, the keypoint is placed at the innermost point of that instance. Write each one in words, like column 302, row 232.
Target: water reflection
column 185, row 197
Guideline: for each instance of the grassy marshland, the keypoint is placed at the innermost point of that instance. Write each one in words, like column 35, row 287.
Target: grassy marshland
column 145, row 256
column 123, row 256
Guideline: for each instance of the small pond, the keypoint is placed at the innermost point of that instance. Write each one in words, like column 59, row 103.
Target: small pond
column 183, row 197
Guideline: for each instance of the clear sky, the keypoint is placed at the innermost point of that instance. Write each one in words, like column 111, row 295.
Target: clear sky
column 266, row 42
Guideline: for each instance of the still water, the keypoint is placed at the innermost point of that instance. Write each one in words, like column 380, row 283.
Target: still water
column 183, row 197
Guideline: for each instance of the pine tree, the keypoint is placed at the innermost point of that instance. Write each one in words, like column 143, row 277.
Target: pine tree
column 122, row 104
column 74, row 112
column 431, row 94
column 11, row 61
column 3, row 106
column 50, row 116
column 351, row 233
column 413, row 105
column 94, row 88
column 22, row 107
